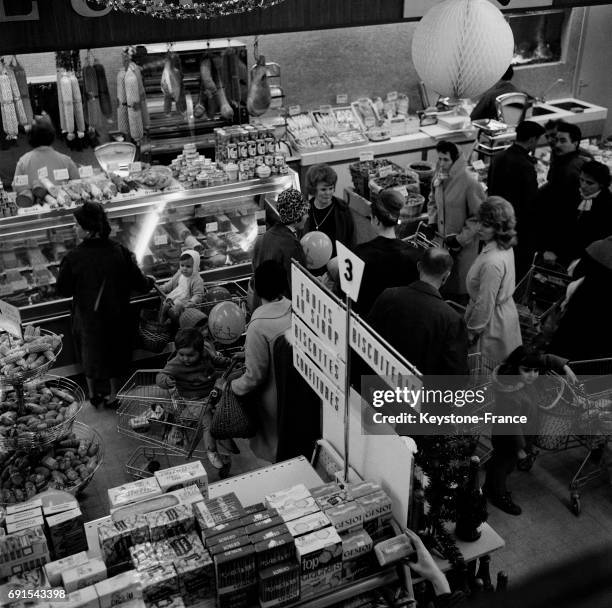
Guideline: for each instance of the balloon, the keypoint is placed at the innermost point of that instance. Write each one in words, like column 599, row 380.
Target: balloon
column 226, row 322
column 217, row 294
column 317, row 248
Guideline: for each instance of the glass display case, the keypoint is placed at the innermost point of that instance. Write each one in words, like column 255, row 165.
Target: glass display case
column 221, row 222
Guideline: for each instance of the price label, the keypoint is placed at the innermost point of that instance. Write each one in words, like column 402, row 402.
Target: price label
column 350, row 268
column 43, row 172
column 160, row 239
column 384, row 171
column 60, row 174
column 479, row 165
column 293, row 110
column 10, row 319
column 135, row 167
column 86, row 171
column 392, row 96
column 342, row 99
column 366, row 156
column 21, row 180
column 212, row 227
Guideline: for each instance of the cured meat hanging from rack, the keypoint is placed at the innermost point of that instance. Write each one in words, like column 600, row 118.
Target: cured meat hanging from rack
column 64, row 87
column 132, row 97
column 260, row 96
column 77, row 103
column 122, row 111
column 172, row 85
column 9, row 115
column 92, row 107
column 226, row 109
column 234, row 63
column 104, row 96
column 208, row 90
column 17, row 102
column 22, row 84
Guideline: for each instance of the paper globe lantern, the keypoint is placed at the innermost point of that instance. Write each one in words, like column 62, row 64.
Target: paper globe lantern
column 317, row 248
column 226, row 322
column 461, row 48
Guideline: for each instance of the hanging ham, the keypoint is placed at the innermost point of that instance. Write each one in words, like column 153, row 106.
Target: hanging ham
column 260, row 97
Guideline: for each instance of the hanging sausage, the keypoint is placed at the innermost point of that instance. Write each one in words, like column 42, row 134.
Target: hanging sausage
column 22, row 84
column 104, row 96
column 9, row 115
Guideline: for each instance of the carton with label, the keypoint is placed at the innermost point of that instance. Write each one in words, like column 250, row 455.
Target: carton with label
column 362, row 488
column 31, row 579
column 346, row 517
column 292, row 503
column 115, row 540
column 170, row 602
column 225, row 537
column 245, row 597
column 25, row 524
column 119, row 589
column 54, row 570
column 220, row 510
column 279, row 585
column 24, row 506
column 21, row 515
column 376, row 512
column 196, row 578
column 67, row 533
column 134, row 492
column 236, row 568
column 82, row 598
column 320, row 581
column 307, row 524
column 269, row 534
column 329, row 495
column 23, row 550
column 170, row 522
column 358, row 559
column 60, row 507
column 147, row 555
column 227, row 545
column 84, row 575
column 275, row 551
column 158, row 583
column 263, row 524
column 190, row 473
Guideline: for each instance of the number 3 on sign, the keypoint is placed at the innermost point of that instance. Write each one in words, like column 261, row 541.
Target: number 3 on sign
column 350, row 268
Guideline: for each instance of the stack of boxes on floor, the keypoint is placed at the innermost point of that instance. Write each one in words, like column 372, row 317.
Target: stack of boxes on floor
column 166, row 545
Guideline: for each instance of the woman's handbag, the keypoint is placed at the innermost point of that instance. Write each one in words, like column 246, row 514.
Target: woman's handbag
column 234, row 416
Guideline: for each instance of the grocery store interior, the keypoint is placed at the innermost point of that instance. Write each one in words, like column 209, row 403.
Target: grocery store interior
column 224, row 225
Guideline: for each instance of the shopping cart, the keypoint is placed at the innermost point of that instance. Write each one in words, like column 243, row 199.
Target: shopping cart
column 579, row 416
column 419, row 240
column 169, row 426
column 537, row 295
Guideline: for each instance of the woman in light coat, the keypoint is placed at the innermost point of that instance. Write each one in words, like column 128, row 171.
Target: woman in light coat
column 453, row 206
column 269, row 321
column 491, row 315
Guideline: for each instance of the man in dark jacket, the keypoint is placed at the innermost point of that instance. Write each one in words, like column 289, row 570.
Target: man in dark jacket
column 560, row 197
column 280, row 242
column 389, row 262
column 486, row 106
column 512, row 175
column 419, row 324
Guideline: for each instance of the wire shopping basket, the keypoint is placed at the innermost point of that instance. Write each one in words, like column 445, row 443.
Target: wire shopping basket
column 419, row 240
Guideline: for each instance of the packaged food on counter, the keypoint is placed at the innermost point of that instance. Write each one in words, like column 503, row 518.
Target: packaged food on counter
column 170, row 522
column 305, row 137
column 279, row 585
column 54, row 570
column 82, row 598
column 66, row 533
column 329, row 495
column 346, row 517
column 134, row 492
column 292, row 503
column 158, row 583
column 83, row 575
column 235, row 569
column 181, row 476
column 357, row 556
column 196, row 578
column 274, row 551
column 24, row 550
column 119, row 589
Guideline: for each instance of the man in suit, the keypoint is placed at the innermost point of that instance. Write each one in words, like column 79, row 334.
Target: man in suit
column 419, row 324
column 513, row 176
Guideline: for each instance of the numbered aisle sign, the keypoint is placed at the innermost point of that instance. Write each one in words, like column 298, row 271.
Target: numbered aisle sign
column 350, row 268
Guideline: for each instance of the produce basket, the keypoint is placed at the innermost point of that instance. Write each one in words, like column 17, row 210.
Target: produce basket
column 22, row 372
column 20, row 482
column 51, row 393
column 363, row 171
column 408, row 179
column 413, row 207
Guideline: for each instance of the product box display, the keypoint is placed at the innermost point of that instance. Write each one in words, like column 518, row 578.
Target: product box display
column 82, row 598
column 158, row 583
column 220, row 510
column 235, row 569
column 134, row 492
column 24, row 506
column 61, row 507
column 376, row 511
column 54, row 570
column 170, row 522
column 196, row 577
column 245, row 597
column 263, row 524
column 275, row 551
column 66, row 533
column 279, row 585
column 166, row 551
column 320, row 581
column 119, row 589
column 84, row 575
column 23, row 550
column 362, row 488
column 346, row 517
column 307, row 524
column 329, row 495
column 269, row 534
column 227, row 545
column 357, row 557
column 14, row 518
column 25, row 524
column 318, row 549
column 191, row 473
column 292, row 503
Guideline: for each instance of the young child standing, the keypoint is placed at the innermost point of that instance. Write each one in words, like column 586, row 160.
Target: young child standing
column 192, row 373
column 186, row 288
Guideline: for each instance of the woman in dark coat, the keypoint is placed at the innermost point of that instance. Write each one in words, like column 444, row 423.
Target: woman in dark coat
column 594, row 220
column 327, row 213
column 585, row 330
column 100, row 274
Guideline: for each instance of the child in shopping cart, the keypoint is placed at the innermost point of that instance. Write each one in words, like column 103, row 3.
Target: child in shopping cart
column 516, row 393
column 185, row 289
column 192, row 372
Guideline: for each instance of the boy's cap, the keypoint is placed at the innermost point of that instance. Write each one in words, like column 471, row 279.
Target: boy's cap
column 192, row 318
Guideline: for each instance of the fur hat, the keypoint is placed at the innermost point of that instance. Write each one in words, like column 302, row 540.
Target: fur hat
column 192, row 317
column 291, row 206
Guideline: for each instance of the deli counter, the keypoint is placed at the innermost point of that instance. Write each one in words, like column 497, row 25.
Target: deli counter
column 221, row 221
